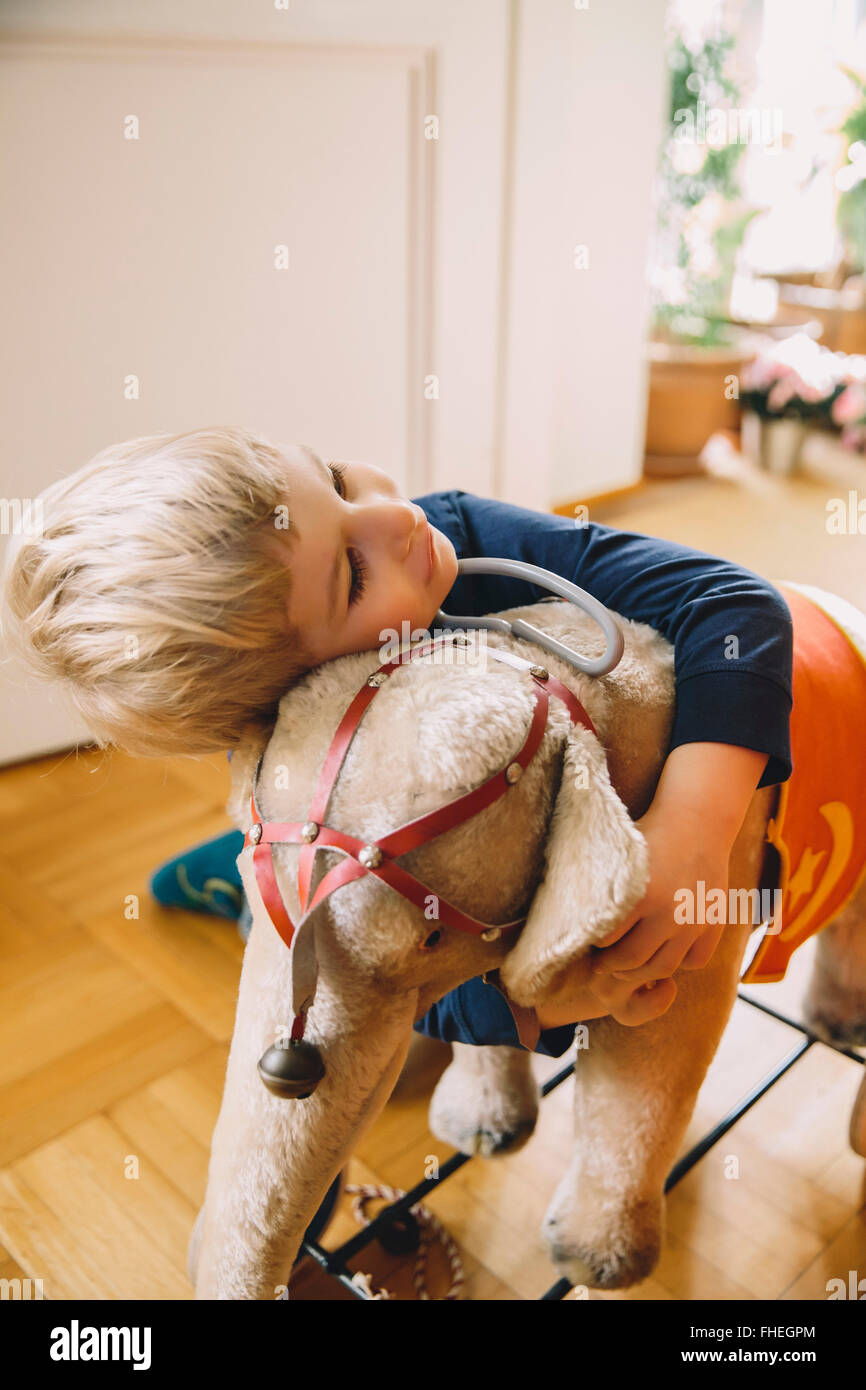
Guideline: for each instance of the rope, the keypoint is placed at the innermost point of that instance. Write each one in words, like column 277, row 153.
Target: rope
column 430, row 1228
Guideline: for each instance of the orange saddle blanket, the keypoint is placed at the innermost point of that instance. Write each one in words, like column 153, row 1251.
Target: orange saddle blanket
column 819, row 828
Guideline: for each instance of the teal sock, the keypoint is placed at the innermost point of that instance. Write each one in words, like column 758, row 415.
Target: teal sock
column 204, row 878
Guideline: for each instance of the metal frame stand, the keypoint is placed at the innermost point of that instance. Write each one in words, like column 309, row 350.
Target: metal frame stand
column 334, row 1262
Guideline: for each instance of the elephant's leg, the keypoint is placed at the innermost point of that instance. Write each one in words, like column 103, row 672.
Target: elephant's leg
column 273, row 1160
column 193, row 1248
column 486, row 1101
column 635, row 1090
column 270, row 1170
column 835, row 1003
column 857, row 1131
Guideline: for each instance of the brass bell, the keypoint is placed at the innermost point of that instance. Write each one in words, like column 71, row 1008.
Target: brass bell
column 292, row 1072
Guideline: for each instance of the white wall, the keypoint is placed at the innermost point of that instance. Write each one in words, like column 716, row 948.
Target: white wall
column 590, row 98
column 155, row 257
column 410, row 257
column 453, row 55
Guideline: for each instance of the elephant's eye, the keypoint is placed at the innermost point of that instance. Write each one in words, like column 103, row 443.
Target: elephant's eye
column 432, row 940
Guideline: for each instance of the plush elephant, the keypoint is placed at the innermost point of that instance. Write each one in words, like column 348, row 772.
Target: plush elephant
column 562, row 849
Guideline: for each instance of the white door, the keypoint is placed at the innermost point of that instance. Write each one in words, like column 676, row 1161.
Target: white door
column 328, row 220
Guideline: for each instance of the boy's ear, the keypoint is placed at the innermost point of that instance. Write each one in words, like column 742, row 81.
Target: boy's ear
column 596, row 870
column 244, row 759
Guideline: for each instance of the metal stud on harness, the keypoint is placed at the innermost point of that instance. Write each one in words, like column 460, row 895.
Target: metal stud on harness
column 293, row 1069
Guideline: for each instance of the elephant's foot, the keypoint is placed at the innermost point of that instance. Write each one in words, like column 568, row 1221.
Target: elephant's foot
column 836, row 1014
column 486, row 1101
column 835, row 1002
column 602, row 1239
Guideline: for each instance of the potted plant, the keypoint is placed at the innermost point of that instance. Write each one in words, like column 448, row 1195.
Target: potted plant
column 695, row 352
column 848, row 410
column 792, row 386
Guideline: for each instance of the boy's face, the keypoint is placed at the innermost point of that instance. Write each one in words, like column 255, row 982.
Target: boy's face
column 362, row 557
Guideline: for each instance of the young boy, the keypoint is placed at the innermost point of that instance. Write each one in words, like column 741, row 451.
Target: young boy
column 182, row 582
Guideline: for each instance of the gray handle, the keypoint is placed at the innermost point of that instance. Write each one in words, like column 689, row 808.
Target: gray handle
column 545, row 579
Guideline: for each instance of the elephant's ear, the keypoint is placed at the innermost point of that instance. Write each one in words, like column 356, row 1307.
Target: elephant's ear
column 245, row 756
column 597, row 869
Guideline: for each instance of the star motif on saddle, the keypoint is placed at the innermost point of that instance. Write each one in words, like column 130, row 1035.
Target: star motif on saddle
column 802, row 882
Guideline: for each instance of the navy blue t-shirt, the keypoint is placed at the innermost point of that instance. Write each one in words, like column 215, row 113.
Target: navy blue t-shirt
column 697, row 600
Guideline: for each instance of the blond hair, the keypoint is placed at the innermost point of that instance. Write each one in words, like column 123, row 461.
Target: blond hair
column 151, row 594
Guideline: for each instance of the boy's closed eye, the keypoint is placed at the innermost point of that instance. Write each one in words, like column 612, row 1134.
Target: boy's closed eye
column 362, row 559
column 359, row 569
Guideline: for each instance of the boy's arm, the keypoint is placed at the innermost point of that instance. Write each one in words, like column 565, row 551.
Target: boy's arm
column 690, row 833
column 691, row 825
column 733, row 644
column 730, row 628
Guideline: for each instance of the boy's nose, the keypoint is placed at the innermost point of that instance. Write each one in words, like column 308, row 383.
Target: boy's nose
column 394, row 520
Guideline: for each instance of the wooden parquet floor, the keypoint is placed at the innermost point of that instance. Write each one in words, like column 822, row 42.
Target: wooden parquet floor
column 116, row 1016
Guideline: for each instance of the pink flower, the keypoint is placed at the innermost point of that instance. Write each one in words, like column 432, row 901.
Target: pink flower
column 795, row 367
column 760, row 374
column 852, row 367
column 850, row 406
column 814, row 391
column 854, row 437
column 785, row 389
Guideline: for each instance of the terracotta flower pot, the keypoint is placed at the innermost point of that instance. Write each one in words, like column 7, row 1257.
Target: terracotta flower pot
column 693, row 392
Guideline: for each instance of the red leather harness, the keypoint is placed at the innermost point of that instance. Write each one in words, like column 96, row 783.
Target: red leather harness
column 378, row 857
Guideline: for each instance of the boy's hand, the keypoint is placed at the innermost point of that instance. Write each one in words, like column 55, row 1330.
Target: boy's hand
column 650, row 945
column 702, row 797
column 630, row 1004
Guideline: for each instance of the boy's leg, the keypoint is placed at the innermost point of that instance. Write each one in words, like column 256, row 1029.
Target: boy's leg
column 477, row 1013
column 245, row 921
column 203, row 878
